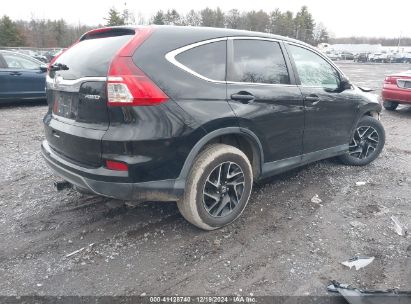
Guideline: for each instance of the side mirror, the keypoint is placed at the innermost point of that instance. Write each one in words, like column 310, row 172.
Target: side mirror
column 43, row 68
column 345, row 84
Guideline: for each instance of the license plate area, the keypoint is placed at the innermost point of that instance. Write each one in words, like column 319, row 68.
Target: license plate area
column 66, row 104
column 404, row 83
column 86, row 107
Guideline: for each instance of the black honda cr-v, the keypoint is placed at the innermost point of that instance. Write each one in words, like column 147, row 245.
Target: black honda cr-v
column 196, row 115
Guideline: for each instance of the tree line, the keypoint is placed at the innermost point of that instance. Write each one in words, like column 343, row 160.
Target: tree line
column 301, row 25
column 58, row 33
column 39, row 33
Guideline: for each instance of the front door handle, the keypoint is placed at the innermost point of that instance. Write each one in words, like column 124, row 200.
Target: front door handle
column 243, row 97
column 15, row 73
column 312, row 98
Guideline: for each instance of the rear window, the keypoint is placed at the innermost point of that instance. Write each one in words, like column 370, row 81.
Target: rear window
column 208, row 60
column 258, row 61
column 91, row 57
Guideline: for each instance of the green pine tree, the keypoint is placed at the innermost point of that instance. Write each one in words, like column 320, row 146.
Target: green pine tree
column 158, row 18
column 9, row 33
column 114, row 18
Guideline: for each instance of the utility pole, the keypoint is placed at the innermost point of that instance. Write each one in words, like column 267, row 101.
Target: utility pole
column 399, row 42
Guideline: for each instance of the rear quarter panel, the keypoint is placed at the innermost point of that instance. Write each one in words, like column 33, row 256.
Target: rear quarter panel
column 200, row 105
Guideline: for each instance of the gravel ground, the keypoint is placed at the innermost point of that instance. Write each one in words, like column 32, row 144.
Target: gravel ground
column 282, row 245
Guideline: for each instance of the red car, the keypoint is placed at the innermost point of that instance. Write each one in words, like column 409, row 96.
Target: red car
column 396, row 90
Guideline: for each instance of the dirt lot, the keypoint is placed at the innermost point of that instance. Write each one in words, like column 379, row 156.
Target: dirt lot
column 283, row 244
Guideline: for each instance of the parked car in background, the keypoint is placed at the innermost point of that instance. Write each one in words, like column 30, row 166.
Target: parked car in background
column 361, row 57
column 27, row 52
column 346, row 56
column 402, row 57
column 21, row 77
column 41, row 58
column 396, row 90
column 333, row 56
column 39, row 55
column 52, row 54
column 373, row 56
column 379, row 57
column 196, row 115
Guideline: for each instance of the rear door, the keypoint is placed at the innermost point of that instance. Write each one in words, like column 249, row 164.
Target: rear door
column 329, row 112
column 21, row 77
column 78, row 115
column 264, row 96
column 4, row 90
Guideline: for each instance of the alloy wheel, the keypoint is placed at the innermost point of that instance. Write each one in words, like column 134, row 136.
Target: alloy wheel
column 364, row 142
column 223, row 189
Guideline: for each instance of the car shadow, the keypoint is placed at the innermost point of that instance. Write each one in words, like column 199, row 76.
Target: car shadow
column 118, row 216
column 402, row 111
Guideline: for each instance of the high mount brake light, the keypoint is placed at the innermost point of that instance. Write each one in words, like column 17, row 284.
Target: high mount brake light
column 95, row 32
column 127, row 85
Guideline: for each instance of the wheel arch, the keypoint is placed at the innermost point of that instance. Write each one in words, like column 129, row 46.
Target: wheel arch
column 372, row 110
column 373, row 113
column 241, row 138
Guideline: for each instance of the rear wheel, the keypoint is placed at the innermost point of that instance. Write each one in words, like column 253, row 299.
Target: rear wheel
column 218, row 187
column 390, row 105
column 366, row 143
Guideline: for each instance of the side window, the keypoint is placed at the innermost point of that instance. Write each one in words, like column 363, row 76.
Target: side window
column 208, row 60
column 313, row 70
column 258, row 61
column 19, row 62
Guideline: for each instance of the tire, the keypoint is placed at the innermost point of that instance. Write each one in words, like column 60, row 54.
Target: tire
column 366, row 143
column 390, row 105
column 224, row 173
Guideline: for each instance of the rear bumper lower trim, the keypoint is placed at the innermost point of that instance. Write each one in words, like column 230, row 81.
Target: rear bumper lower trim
column 163, row 190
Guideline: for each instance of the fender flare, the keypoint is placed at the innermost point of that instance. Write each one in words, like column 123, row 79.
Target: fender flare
column 214, row 134
column 370, row 108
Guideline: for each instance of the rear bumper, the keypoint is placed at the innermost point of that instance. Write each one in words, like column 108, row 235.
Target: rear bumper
column 393, row 93
column 162, row 190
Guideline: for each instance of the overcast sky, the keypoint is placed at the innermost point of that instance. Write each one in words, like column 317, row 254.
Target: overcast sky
column 341, row 17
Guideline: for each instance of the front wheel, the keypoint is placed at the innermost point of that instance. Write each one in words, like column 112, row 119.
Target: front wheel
column 218, row 187
column 366, row 143
column 390, row 105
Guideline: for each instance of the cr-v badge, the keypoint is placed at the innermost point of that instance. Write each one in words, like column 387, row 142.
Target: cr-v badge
column 93, row 97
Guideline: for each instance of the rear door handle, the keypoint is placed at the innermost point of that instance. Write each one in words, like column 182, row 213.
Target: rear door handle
column 15, row 73
column 243, row 97
column 312, row 98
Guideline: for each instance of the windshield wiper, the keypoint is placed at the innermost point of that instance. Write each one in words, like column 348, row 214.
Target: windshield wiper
column 59, row 67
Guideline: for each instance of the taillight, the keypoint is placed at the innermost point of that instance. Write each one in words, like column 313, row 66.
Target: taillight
column 390, row 80
column 127, row 85
column 116, row 165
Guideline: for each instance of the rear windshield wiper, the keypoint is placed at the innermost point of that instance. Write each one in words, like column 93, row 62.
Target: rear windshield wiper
column 59, row 67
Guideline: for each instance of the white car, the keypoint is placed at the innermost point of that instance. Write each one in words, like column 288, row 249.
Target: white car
column 379, row 57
